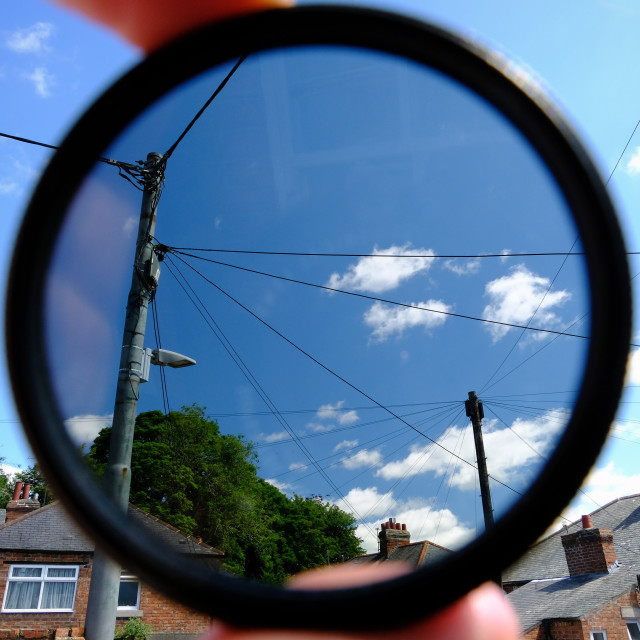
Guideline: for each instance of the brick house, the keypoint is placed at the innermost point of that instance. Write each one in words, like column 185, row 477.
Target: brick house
column 46, row 571
column 396, row 546
column 581, row 583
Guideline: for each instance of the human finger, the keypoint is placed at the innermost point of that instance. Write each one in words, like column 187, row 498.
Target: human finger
column 483, row 614
column 151, row 23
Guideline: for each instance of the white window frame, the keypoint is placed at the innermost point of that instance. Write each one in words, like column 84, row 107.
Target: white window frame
column 632, row 622
column 129, row 577
column 601, row 631
column 43, row 579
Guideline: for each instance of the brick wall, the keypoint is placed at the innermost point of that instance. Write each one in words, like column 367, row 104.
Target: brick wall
column 166, row 616
column 559, row 630
column 589, row 551
column 40, row 625
column 608, row 618
column 393, row 535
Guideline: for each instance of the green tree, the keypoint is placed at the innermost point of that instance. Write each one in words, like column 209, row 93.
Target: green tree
column 6, row 487
column 185, row 472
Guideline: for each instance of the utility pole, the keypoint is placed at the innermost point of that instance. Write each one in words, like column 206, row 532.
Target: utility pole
column 105, row 575
column 475, row 411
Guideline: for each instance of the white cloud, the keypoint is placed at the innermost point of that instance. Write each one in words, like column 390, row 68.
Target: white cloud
column 506, row 253
column 383, row 274
column 345, row 444
column 15, row 175
column 633, row 165
column 130, row 226
column 423, row 521
column 9, row 471
column 462, row 269
column 84, row 429
column 633, row 367
column 7, row 186
column 32, row 39
column 602, row 485
column 335, row 412
column 515, row 297
column 508, row 453
column 348, row 417
column 297, row 466
column 319, row 427
column 282, row 486
column 385, row 320
column 42, row 81
column 329, row 411
column 364, row 458
column 277, row 436
column 367, row 502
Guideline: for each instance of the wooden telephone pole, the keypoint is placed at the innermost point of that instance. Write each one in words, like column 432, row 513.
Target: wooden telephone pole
column 475, row 412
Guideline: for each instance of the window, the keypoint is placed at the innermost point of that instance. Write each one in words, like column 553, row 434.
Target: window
column 40, row 588
column 598, row 635
column 129, row 592
column 634, row 630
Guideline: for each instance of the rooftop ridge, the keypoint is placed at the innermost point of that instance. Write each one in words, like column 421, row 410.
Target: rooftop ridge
column 562, row 530
column 29, row 514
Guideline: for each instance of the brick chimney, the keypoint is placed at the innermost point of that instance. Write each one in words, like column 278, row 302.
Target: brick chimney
column 20, row 504
column 393, row 535
column 589, row 550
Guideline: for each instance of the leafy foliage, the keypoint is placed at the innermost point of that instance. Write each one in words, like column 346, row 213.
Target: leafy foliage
column 133, row 629
column 185, row 472
column 6, row 487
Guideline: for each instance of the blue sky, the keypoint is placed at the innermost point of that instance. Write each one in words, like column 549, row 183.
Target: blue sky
column 293, row 172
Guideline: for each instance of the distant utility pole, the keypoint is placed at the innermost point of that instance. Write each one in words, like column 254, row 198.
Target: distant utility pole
column 105, row 575
column 475, row 411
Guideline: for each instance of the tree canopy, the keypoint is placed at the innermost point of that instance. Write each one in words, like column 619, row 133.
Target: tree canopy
column 185, row 472
column 33, row 476
column 6, row 488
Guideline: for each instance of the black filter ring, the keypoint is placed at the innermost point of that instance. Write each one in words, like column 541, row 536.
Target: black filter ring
column 404, row 599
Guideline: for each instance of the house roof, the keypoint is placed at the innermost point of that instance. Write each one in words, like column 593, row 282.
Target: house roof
column 50, row 528
column 415, row 554
column 570, row 598
column 546, row 558
column 552, row 594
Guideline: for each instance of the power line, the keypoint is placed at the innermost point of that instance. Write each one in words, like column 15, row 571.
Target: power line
column 55, row 148
column 374, row 298
column 533, row 315
column 379, row 255
column 237, row 359
column 623, row 151
column 331, row 372
column 163, row 379
column 538, row 454
column 219, row 88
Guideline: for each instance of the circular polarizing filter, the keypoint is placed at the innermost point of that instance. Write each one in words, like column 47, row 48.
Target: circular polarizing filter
column 379, row 243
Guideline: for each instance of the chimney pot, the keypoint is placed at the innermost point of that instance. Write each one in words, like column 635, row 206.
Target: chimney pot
column 586, row 522
column 392, row 535
column 26, row 490
column 17, row 490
